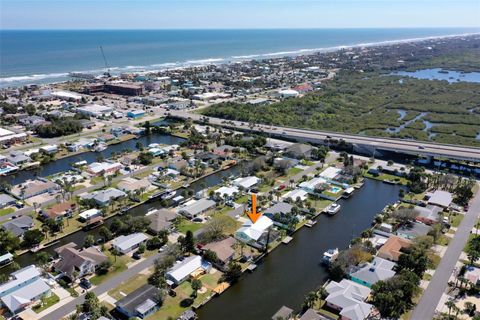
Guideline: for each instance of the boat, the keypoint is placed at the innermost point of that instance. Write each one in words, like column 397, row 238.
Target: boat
column 169, row 194
column 100, row 147
column 329, row 256
column 333, row 209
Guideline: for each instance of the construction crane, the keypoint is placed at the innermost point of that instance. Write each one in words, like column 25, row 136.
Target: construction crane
column 106, row 64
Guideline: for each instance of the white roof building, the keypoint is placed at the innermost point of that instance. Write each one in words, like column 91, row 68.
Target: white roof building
column 85, row 215
column 182, row 270
column 310, row 185
column 227, row 192
column 252, row 232
column 66, row 95
column 95, row 110
column 195, row 207
column 288, row 93
column 296, row 193
column 246, row 182
column 348, row 297
column 125, row 244
column 441, row 198
column 330, row 173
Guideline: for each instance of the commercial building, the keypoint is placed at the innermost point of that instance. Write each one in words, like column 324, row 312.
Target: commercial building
column 95, row 110
column 135, row 114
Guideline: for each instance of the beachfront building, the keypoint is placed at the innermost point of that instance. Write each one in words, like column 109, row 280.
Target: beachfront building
column 24, row 289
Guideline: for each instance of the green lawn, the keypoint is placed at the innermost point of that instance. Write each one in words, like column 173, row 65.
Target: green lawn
column 119, row 264
column 294, row 171
column 6, row 211
column 46, row 303
column 187, row 225
column 455, row 220
column 384, row 176
column 128, row 286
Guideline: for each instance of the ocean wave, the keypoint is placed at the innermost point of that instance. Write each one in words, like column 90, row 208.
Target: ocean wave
column 204, row 61
column 250, row 56
column 32, row 77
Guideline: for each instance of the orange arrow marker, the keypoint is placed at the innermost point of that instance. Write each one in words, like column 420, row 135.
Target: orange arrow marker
column 254, row 215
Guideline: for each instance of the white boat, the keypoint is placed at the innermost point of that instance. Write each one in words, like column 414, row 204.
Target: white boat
column 333, row 209
column 100, row 147
column 330, row 255
column 169, row 194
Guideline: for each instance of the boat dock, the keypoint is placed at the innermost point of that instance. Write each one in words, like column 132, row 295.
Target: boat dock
column 311, row 223
column 287, row 240
column 252, row 267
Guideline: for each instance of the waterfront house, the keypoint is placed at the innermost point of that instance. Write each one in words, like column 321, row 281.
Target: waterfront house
column 18, row 158
column 285, row 163
column 392, row 249
column 105, row 197
column 161, row 219
column 224, row 249
column 441, row 198
column 19, row 225
column 177, row 164
column 89, row 214
column 330, row 173
column 284, row 313
column 227, row 192
column 429, row 214
column 311, row 314
column 255, row 233
column 31, row 188
column 192, row 266
column 125, row 244
column 347, row 297
column 224, row 151
column 246, row 182
column 193, row 208
column 49, row 149
column 296, row 194
column 82, row 262
column 299, row 151
column 103, row 168
column 133, row 185
column 59, row 210
column 370, row 273
column 140, row 303
column 24, row 289
column 6, row 200
column 311, row 185
column 413, row 230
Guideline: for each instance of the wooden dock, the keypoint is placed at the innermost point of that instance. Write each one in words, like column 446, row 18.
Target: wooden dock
column 311, row 223
column 287, row 240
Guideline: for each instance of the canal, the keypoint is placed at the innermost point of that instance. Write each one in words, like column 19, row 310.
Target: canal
column 65, row 164
column 79, row 237
column 287, row 274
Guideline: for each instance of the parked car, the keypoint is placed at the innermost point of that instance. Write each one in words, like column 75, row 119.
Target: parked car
column 85, row 283
column 136, row 255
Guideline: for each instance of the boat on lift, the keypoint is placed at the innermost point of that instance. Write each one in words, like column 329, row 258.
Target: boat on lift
column 333, row 208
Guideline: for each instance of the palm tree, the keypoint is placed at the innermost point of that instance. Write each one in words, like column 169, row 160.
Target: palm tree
column 450, row 304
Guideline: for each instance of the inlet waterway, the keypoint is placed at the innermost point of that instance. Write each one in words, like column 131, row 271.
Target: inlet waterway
column 65, row 164
column 287, row 274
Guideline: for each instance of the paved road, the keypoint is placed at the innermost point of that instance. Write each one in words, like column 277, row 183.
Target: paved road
column 114, row 282
column 391, row 144
column 431, row 297
column 29, row 209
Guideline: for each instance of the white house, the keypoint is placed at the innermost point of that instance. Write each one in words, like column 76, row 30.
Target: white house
column 182, row 270
column 88, row 214
column 193, row 208
column 227, row 192
column 125, row 244
column 348, row 298
column 310, row 185
column 251, row 233
column 246, row 182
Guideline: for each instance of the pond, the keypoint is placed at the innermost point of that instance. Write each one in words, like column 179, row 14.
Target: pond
column 440, row 74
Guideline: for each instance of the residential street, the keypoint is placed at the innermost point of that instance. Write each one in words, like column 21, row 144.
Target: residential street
column 426, row 306
column 102, row 288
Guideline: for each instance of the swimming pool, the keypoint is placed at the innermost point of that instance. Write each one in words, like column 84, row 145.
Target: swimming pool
column 335, row 189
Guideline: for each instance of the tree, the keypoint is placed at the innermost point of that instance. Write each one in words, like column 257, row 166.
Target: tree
column 8, row 241
column 470, row 308
column 145, row 158
column 210, row 256
column 105, row 233
column 187, row 243
column 414, row 259
column 404, row 215
column 32, row 238
column 104, row 267
column 89, row 241
column 42, row 258
column 196, row 285
column 473, row 249
column 309, row 300
column 217, row 227
column 233, row 272
column 92, row 306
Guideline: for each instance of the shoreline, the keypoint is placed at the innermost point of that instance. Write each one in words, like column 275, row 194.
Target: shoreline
column 8, row 82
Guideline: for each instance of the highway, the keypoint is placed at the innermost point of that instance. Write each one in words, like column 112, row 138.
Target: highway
column 374, row 143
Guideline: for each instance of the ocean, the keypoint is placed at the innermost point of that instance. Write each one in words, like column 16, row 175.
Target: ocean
column 46, row 56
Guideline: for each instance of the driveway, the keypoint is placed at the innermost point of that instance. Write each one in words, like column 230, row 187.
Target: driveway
column 425, row 308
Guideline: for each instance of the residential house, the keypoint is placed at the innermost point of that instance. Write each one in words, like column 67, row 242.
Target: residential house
column 348, row 298
column 133, row 185
column 224, row 249
column 18, row 158
column 441, row 198
column 296, row 194
column 161, row 219
column 256, row 232
column 285, row 163
column 227, row 192
column 299, row 151
column 311, row 185
column 472, row 274
column 370, row 273
column 6, row 200
column 59, row 210
column 193, row 208
column 140, row 303
column 105, row 197
column 177, row 164
column 283, row 313
column 24, row 289
column 31, row 188
column 192, row 266
column 89, row 214
column 49, row 149
column 76, row 263
column 224, row 151
column 330, row 173
column 125, row 244
column 429, row 214
column 413, row 230
column 19, row 225
column 392, row 249
column 311, row 314
column 246, row 182
column 103, row 168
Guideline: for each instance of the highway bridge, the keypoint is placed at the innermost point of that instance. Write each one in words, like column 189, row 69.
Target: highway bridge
column 372, row 144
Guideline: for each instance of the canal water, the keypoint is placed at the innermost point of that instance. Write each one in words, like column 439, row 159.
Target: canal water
column 291, row 271
column 79, row 237
column 65, row 164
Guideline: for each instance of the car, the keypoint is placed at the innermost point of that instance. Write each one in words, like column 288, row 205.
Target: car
column 281, row 187
column 421, row 147
column 197, row 220
column 85, row 283
column 136, row 255
column 161, row 249
column 445, row 220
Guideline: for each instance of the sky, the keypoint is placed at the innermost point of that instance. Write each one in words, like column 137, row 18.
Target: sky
column 226, row 14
